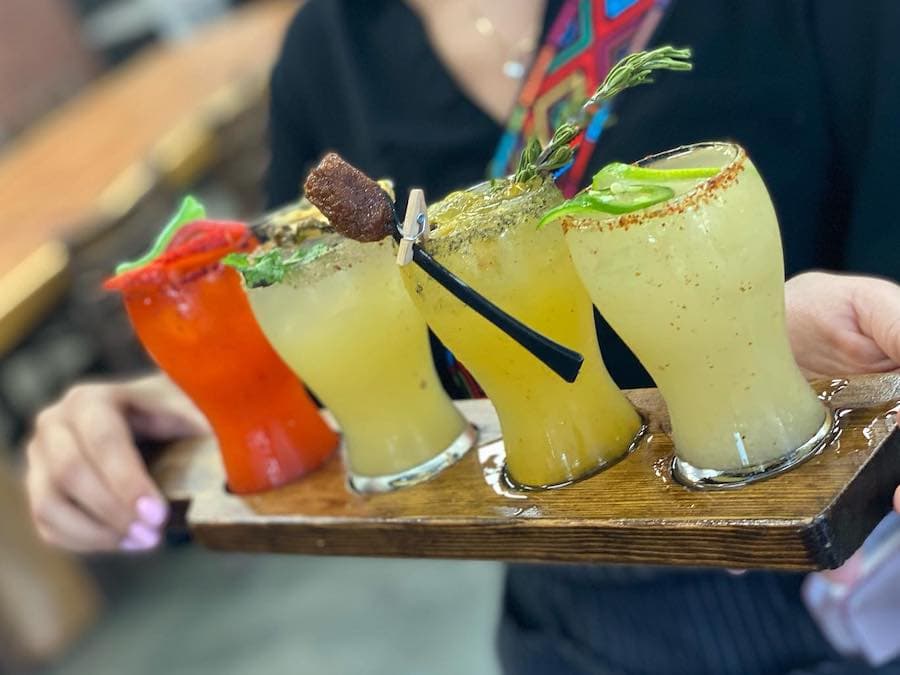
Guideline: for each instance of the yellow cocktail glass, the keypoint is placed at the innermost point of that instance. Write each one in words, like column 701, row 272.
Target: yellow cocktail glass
column 344, row 323
column 554, row 432
column 695, row 286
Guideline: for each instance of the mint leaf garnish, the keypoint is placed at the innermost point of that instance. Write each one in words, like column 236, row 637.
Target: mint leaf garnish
column 266, row 268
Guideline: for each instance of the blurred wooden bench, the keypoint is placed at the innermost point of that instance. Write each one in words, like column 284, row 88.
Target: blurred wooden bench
column 152, row 121
column 127, row 145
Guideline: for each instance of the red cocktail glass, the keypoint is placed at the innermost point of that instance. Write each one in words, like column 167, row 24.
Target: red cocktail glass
column 193, row 318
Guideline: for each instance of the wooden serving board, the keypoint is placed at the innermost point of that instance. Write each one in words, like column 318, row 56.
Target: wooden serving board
column 812, row 517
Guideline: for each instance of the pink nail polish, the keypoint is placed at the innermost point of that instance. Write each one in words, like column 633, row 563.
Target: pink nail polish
column 129, row 544
column 142, row 535
column 152, row 511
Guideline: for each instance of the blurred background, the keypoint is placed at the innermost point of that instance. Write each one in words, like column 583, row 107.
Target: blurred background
column 110, row 110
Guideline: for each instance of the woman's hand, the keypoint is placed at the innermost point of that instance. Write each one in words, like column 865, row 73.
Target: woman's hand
column 87, row 483
column 841, row 325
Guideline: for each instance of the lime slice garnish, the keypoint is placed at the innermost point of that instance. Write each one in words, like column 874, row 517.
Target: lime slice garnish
column 621, row 198
column 622, row 188
column 625, row 198
column 619, row 172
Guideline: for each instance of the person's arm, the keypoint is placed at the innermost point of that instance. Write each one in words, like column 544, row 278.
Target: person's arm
column 87, row 484
column 842, row 324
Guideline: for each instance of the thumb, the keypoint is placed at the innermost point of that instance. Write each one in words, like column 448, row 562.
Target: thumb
column 157, row 409
column 168, row 423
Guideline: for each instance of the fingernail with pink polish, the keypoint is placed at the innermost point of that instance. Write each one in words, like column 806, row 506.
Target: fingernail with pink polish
column 129, row 544
column 152, row 511
column 145, row 537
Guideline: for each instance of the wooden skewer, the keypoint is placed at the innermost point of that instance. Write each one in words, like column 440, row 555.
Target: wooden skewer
column 415, row 226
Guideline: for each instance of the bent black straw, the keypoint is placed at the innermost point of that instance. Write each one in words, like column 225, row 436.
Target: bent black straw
column 561, row 360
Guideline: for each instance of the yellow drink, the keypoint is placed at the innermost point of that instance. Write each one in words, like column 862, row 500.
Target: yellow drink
column 554, row 432
column 695, row 286
column 344, row 323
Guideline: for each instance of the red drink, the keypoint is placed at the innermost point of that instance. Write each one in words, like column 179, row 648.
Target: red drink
column 193, row 318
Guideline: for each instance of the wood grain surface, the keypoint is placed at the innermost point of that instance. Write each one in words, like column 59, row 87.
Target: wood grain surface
column 812, row 517
column 29, row 291
column 55, row 176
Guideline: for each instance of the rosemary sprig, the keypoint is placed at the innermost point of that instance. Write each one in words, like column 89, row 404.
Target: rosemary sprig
column 631, row 71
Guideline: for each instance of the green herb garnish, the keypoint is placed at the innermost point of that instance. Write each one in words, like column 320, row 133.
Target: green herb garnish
column 631, row 71
column 270, row 267
column 622, row 188
column 190, row 210
column 615, row 201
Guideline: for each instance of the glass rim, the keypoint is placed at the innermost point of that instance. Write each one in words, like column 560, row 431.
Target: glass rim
column 492, row 230
column 174, row 272
column 326, row 262
column 704, row 190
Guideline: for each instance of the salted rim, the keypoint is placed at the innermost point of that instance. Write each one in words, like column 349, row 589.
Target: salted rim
column 293, row 276
column 297, row 276
column 701, row 193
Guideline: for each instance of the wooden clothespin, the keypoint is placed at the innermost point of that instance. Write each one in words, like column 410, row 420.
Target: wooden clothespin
column 415, row 225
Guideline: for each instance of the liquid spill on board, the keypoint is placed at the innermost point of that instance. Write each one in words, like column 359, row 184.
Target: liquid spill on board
column 884, row 421
column 492, row 456
column 830, row 390
column 873, row 423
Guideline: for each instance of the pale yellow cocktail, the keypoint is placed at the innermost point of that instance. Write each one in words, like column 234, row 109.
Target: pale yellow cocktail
column 345, row 324
column 695, row 286
column 554, row 432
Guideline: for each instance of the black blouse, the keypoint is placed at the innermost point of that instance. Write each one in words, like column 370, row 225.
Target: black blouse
column 809, row 87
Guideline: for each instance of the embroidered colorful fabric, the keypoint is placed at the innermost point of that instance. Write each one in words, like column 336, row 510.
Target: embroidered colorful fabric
column 585, row 40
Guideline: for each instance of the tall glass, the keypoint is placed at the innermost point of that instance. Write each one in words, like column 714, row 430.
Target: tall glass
column 554, row 432
column 344, row 323
column 695, row 286
column 192, row 317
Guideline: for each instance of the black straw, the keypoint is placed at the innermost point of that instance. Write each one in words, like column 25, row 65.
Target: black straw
column 561, row 360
